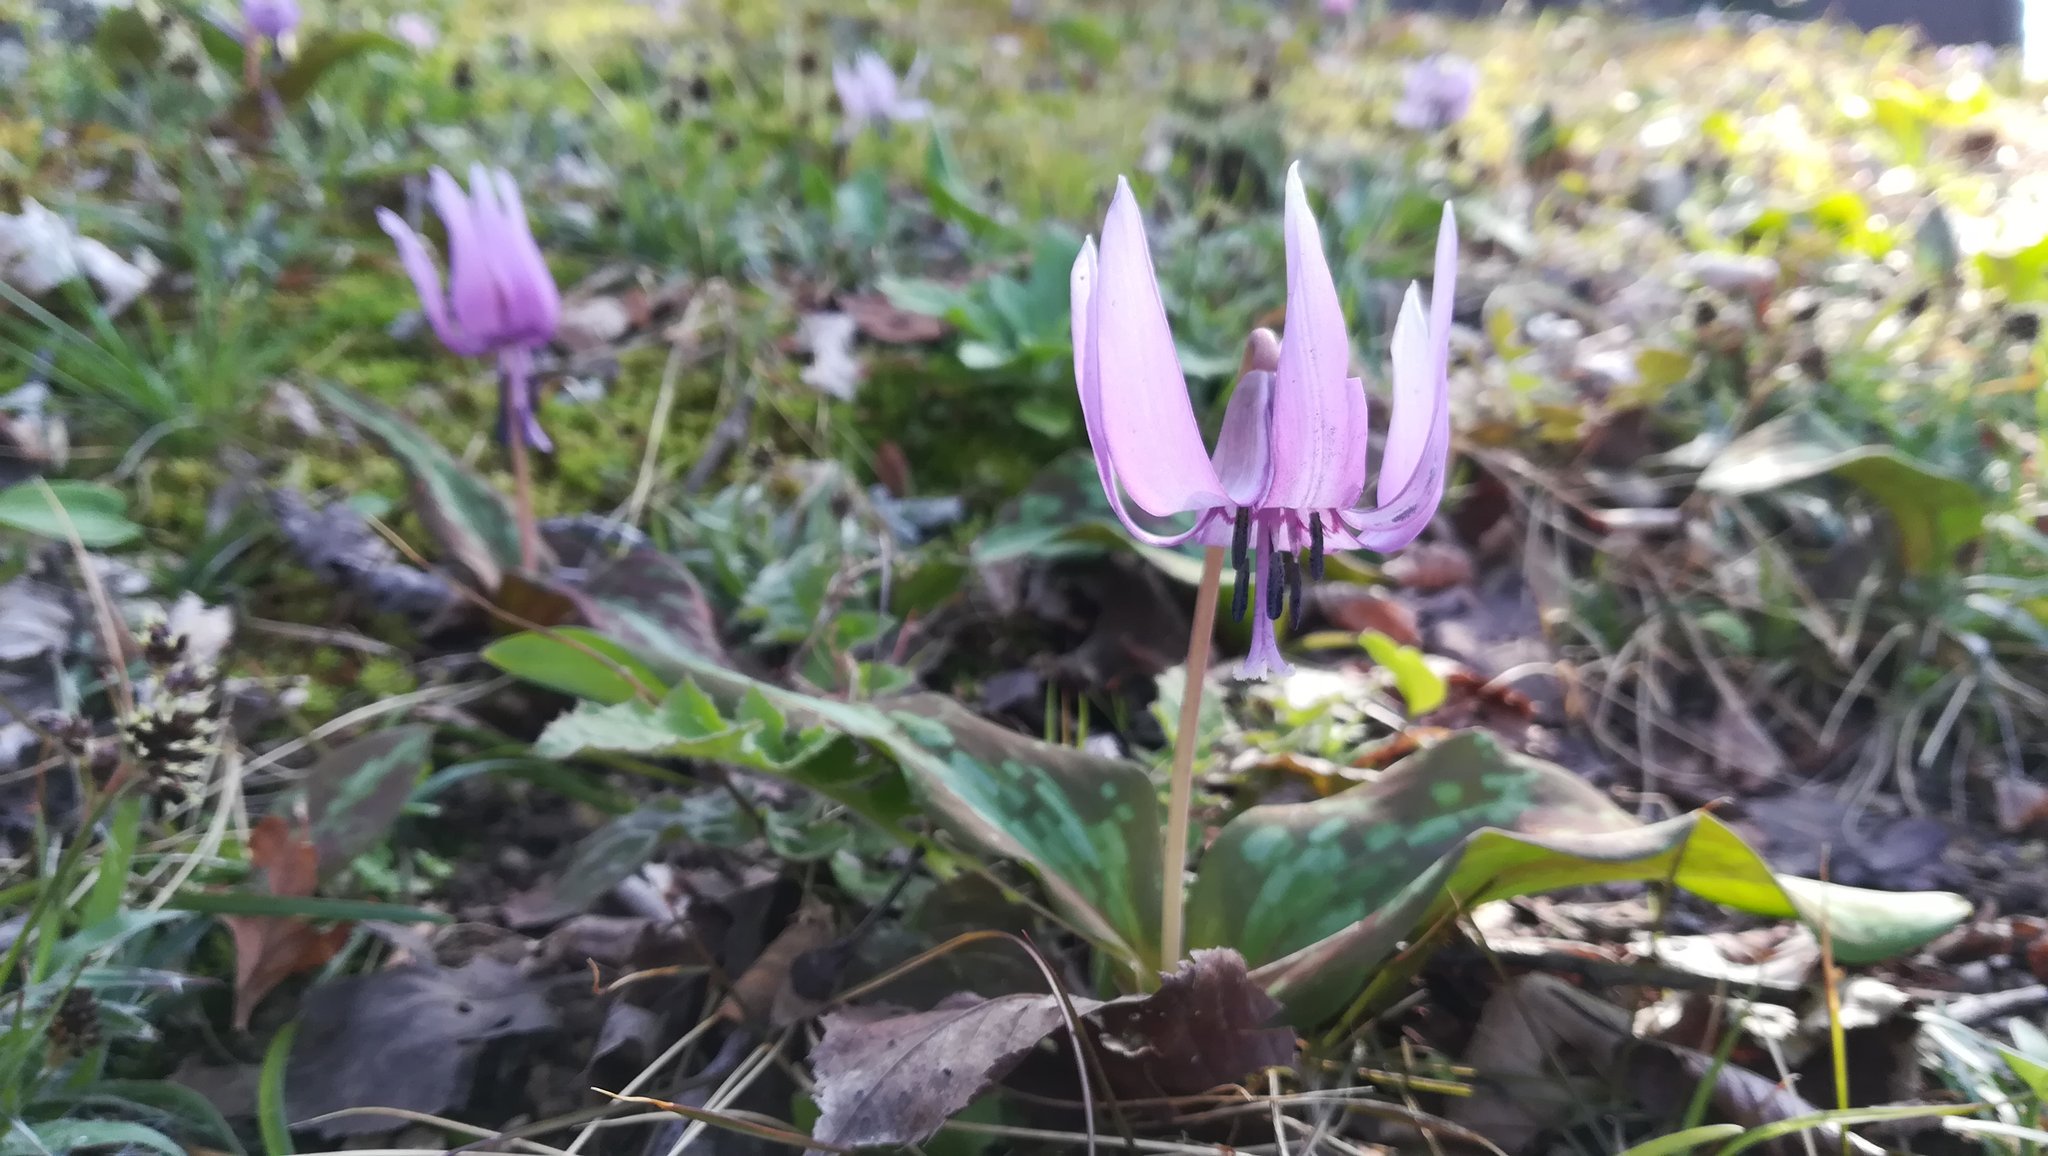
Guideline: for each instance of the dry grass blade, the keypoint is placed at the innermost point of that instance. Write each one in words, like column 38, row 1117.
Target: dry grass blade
column 743, row 1123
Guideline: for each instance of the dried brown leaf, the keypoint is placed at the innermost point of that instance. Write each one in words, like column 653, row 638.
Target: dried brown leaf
column 1361, row 608
column 1536, row 1024
column 894, row 1079
column 2021, row 803
column 1206, row 1026
column 270, row 948
column 1430, row 566
column 407, row 1037
column 763, row 989
column 880, row 321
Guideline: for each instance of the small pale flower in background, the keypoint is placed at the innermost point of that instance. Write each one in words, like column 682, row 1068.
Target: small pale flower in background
column 415, row 30
column 501, row 299
column 1339, row 7
column 1437, row 93
column 269, row 19
column 1289, row 467
column 869, row 92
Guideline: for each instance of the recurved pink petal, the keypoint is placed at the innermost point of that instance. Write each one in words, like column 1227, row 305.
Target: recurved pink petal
column 1442, row 293
column 1412, row 479
column 472, row 292
column 426, row 279
column 1244, row 446
column 1415, row 386
column 1145, row 427
column 535, row 303
column 1088, row 378
column 1317, row 415
column 852, row 96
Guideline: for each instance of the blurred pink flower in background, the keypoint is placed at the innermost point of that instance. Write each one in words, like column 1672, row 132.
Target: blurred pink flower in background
column 269, row 19
column 416, row 30
column 1437, row 93
column 870, row 93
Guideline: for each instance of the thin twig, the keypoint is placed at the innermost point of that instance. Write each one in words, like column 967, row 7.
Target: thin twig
column 647, row 1073
column 657, row 424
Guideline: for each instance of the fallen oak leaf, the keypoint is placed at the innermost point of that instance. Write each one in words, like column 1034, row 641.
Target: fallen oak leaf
column 884, row 1079
column 1204, row 1027
column 1535, row 1020
column 270, row 949
column 894, row 1079
column 410, row 1037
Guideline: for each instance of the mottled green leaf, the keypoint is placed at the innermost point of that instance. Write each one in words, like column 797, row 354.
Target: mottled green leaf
column 356, row 792
column 1935, row 514
column 1320, row 895
column 577, row 662
column 1088, row 826
column 57, row 509
column 653, row 602
column 468, row 518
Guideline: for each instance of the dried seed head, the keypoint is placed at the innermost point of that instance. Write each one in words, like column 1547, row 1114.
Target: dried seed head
column 75, row 1027
column 160, row 648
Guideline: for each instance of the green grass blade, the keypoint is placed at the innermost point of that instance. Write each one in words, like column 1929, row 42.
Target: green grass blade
column 1684, row 1141
column 271, row 1119
column 302, row 907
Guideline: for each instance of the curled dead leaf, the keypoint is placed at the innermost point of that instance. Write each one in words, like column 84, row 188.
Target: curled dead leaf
column 764, row 990
column 272, row 948
column 880, row 321
column 1430, row 566
column 2020, row 802
column 896, row 1078
column 1536, row 1022
column 1361, row 608
column 409, row 1037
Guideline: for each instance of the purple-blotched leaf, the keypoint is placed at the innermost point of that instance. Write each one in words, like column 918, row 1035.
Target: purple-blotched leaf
column 356, row 792
column 470, row 520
